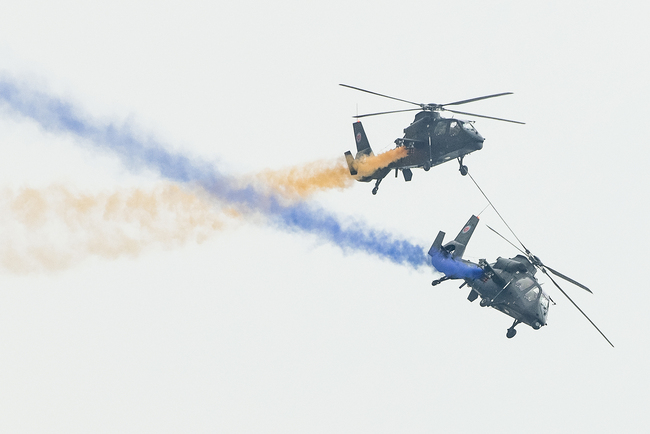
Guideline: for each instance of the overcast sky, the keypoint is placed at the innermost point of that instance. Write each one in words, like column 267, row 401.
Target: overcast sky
column 179, row 312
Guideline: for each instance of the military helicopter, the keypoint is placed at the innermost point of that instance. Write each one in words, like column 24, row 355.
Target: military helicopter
column 507, row 285
column 430, row 139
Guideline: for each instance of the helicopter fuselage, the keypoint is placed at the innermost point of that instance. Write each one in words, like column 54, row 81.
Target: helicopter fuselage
column 432, row 140
column 510, row 286
column 507, row 285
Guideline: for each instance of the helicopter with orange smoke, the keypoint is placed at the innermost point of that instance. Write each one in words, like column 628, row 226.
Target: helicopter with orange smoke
column 429, row 140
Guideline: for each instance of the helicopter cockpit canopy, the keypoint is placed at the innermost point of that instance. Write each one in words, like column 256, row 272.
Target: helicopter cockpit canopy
column 544, row 301
column 524, row 283
column 528, row 287
column 453, row 127
column 532, row 293
column 469, row 127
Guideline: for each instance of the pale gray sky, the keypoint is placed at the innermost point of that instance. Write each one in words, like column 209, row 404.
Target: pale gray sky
column 256, row 329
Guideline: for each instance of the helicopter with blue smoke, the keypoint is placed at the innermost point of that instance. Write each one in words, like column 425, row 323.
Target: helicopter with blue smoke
column 507, row 285
column 430, row 139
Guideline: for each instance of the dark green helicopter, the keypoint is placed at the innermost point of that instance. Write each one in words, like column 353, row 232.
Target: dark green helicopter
column 507, row 285
column 430, row 139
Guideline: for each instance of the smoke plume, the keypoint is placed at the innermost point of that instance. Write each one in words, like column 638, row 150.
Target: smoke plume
column 454, row 268
column 368, row 164
column 51, row 229
column 54, row 114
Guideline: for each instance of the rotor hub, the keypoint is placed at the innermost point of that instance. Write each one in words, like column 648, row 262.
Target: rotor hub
column 432, row 107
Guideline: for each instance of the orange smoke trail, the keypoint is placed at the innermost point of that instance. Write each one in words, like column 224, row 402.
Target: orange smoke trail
column 52, row 229
column 305, row 180
column 366, row 166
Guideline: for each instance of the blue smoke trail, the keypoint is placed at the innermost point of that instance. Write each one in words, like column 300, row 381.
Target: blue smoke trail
column 454, row 268
column 56, row 115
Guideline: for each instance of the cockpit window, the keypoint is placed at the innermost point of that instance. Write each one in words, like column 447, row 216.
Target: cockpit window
column 441, row 128
column 454, row 128
column 524, row 283
column 532, row 294
column 469, row 127
column 544, row 301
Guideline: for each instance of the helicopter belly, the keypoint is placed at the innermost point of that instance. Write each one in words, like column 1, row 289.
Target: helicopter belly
column 511, row 312
column 521, row 316
column 507, row 301
column 452, row 154
column 487, row 289
column 423, row 156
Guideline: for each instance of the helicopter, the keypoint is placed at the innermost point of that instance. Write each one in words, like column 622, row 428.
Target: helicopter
column 430, row 139
column 508, row 285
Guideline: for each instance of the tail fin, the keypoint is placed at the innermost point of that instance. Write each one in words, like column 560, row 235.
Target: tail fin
column 363, row 145
column 448, row 260
column 455, row 248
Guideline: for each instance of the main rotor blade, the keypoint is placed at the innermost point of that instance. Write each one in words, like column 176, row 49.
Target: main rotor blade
column 557, row 273
column 568, row 279
column 509, row 242
column 584, row 314
column 465, row 101
column 483, row 116
column 384, row 113
column 379, row 94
